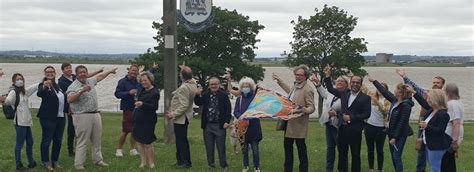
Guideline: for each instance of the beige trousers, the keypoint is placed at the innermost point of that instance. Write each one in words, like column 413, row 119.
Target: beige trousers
column 88, row 127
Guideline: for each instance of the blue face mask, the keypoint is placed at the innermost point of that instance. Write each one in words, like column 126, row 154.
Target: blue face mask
column 19, row 83
column 245, row 90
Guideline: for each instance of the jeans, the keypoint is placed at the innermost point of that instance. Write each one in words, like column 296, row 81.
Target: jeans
column 421, row 158
column 53, row 130
column 23, row 134
column 331, row 142
column 183, row 155
column 434, row 158
column 256, row 156
column 375, row 138
column 302, row 154
column 396, row 151
column 71, row 134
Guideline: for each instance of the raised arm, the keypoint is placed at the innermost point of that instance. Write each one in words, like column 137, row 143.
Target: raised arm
column 408, row 81
column 387, row 94
column 104, row 74
column 95, row 72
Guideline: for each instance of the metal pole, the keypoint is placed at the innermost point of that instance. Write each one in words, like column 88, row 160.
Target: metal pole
column 170, row 67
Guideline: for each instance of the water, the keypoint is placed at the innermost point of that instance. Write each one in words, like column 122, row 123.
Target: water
column 462, row 76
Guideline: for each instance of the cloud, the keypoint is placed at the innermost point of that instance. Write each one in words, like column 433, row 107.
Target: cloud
column 421, row 27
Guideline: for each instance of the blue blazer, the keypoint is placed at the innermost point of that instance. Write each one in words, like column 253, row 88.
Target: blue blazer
column 49, row 102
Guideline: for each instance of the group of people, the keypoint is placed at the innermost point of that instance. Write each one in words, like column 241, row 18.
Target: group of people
column 348, row 111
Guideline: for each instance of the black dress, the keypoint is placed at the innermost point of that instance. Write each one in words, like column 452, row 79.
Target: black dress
column 145, row 116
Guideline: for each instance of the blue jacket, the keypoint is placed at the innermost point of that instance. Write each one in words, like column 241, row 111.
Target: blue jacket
column 64, row 83
column 122, row 92
column 49, row 102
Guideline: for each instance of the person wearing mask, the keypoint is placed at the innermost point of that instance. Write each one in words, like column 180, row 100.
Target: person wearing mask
column 145, row 118
column 51, row 117
column 399, row 116
column 302, row 94
column 331, row 107
column 18, row 98
column 253, row 135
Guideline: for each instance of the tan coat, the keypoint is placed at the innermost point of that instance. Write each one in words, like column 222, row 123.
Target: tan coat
column 303, row 95
column 182, row 102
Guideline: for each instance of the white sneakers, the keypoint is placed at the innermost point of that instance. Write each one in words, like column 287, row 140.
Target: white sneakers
column 119, row 152
column 246, row 169
column 134, row 152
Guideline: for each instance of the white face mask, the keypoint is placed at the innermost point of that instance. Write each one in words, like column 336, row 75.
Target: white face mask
column 19, row 83
column 245, row 90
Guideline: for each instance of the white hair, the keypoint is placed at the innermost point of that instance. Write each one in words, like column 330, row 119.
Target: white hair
column 247, row 80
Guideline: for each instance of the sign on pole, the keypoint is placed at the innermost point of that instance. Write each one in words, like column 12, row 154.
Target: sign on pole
column 195, row 15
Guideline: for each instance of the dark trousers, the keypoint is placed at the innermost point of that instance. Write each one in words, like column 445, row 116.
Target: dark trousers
column 448, row 163
column 302, row 154
column 331, row 142
column 421, row 158
column 397, row 153
column 245, row 153
column 349, row 138
column 53, row 130
column 215, row 136
column 23, row 134
column 375, row 138
column 183, row 156
column 70, row 134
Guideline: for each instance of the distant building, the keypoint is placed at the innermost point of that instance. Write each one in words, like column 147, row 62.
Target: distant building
column 383, row 57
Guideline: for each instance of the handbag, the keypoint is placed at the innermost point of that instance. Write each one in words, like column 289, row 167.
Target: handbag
column 418, row 144
column 281, row 125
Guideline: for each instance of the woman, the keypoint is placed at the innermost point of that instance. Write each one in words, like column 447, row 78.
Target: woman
column 145, row 118
column 51, row 117
column 399, row 115
column 254, row 131
column 375, row 132
column 434, row 127
column 22, row 120
column 331, row 106
column 455, row 127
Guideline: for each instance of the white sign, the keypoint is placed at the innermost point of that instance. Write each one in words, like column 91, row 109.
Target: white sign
column 195, row 11
column 169, row 41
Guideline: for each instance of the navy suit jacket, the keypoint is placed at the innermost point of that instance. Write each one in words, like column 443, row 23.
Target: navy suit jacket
column 225, row 107
column 49, row 102
column 359, row 109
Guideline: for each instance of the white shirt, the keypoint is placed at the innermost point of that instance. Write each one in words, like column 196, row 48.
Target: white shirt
column 352, row 97
column 23, row 114
column 376, row 117
column 427, row 120
column 61, row 103
column 455, row 111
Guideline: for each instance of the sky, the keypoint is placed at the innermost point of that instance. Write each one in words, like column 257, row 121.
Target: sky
column 401, row 27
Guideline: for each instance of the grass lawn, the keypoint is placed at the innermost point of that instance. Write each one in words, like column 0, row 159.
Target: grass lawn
column 271, row 149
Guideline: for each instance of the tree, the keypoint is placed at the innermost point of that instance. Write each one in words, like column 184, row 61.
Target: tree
column 228, row 43
column 324, row 39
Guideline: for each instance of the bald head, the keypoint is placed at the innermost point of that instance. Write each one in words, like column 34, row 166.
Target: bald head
column 186, row 72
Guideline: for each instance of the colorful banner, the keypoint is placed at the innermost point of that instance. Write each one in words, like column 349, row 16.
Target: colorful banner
column 269, row 104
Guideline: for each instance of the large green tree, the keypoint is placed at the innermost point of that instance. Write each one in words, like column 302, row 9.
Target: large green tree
column 324, row 39
column 228, row 43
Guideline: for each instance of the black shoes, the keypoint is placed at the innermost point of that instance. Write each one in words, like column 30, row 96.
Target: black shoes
column 32, row 165
column 20, row 167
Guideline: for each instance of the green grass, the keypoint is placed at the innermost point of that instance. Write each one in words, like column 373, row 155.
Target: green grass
column 271, row 149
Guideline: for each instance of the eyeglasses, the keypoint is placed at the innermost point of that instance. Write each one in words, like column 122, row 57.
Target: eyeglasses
column 49, row 72
column 355, row 82
column 299, row 75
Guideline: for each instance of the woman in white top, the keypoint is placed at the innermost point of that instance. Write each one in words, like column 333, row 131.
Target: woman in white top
column 375, row 130
column 455, row 127
column 331, row 107
column 22, row 120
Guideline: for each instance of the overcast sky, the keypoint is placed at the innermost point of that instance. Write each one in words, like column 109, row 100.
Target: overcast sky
column 415, row 27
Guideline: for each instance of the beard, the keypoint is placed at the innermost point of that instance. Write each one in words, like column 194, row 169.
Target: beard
column 436, row 87
column 82, row 80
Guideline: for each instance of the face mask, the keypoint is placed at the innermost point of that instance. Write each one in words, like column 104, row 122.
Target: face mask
column 245, row 90
column 19, row 83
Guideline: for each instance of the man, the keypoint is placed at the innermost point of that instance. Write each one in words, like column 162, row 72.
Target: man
column 215, row 119
column 82, row 98
column 355, row 108
column 302, row 94
column 181, row 110
column 437, row 83
column 64, row 81
column 126, row 90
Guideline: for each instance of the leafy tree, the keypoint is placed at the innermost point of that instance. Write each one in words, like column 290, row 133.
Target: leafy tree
column 228, row 43
column 324, row 39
